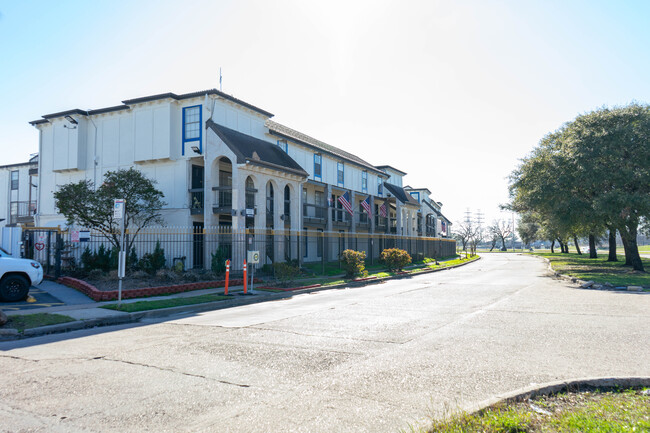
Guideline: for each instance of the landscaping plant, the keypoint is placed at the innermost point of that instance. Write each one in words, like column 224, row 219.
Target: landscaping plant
column 354, row 263
column 395, row 259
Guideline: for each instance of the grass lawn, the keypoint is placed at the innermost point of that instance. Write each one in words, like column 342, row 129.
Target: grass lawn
column 28, row 321
column 377, row 270
column 609, row 412
column 133, row 307
column 598, row 270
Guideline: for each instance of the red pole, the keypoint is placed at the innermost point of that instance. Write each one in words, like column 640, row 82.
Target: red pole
column 227, row 276
column 245, row 279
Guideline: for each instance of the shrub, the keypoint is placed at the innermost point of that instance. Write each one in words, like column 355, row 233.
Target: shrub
column 132, row 260
column 103, row 259
column 218, row 262
column 151, row 262
column 354, row 263
column 95, row 274
column 285, row 272
column 395, row 259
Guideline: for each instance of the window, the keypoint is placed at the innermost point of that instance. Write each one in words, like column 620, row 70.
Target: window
column 14, row 180
column 319, row 201
column 339, row 174
column 282, row 144
column 364, row 181
column 318, row 166
column 380, row 186
column 415, row 195
column 192, row 126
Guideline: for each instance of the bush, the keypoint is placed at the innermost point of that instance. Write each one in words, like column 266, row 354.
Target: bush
column 103, row 259
column 285, row 272
column 151, row 262
column 395, row 259
column 354, row 263
column 218, row 262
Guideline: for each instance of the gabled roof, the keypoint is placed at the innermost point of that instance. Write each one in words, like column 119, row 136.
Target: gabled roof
column 304, row 139
column 127, row 104
column 401, row 194
column 255, row 151
column 384, row 167
column 432, row 207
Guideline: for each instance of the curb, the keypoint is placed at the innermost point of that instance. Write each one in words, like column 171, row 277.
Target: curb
column 590, row 284
column 606, row 383
column 124, row 318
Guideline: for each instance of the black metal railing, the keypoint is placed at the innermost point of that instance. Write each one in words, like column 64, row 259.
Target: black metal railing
column 222, row 199
column 197, row 196
column 21, row 211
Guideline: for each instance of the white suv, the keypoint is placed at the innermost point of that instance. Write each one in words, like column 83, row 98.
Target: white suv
column 17, row 276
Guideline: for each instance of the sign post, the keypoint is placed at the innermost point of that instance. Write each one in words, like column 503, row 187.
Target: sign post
column 253, row 258
column 119, row 211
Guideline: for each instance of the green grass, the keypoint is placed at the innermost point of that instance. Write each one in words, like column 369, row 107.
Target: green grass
column 598, row 270
column 28, row 321
column 133, row 307
column 588, row 412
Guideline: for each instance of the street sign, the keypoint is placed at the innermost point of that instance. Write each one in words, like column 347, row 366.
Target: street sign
column 74, row 236
column 118, row 208
column 253, row 257
column 84, row 236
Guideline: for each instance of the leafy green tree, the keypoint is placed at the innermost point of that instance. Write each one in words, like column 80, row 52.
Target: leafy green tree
column 92, row 208
column 528, row 228
column 592, row 173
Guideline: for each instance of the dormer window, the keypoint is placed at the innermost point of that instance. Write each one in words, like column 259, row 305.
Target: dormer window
column 340, row 175
column 282, row 144
column 364, row 181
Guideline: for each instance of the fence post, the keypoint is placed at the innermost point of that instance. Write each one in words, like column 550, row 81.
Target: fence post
column 57, row 255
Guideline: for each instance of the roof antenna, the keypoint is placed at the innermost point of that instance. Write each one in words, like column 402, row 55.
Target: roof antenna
column 220, row 79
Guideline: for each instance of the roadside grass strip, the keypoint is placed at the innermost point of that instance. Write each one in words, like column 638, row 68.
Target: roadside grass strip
column 134, row 307
column 594, row 412
column 598, row 270
column 29, row 321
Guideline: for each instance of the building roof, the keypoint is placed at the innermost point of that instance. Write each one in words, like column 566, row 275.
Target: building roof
column 127, row 104
column 401, row 194
column 383, row 167
column 291, row 134
column 255, row 151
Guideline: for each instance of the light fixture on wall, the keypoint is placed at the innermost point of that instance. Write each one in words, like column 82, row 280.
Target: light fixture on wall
column 72, row 121
column 196, row 150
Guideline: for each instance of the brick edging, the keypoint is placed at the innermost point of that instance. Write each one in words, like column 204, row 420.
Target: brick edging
column 110, row 295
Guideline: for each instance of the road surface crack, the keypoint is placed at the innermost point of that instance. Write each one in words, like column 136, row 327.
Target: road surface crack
column 171, row 370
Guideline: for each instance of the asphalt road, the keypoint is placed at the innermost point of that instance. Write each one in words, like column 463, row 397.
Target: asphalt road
column 368, row 359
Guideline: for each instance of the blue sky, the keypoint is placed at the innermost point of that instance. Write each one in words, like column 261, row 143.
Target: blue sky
column 453, row 93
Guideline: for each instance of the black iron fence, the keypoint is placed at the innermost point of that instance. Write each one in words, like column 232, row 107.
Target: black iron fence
column 207, row 248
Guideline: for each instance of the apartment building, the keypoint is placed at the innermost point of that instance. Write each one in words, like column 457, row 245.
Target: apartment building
column 222, row 162
column 18, row 192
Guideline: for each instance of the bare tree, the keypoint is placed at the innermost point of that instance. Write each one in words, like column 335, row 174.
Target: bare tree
column 501, row 229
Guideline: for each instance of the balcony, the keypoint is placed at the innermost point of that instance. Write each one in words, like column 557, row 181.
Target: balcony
column 196, row 201
column 222, row 200
column 22, row 212
column 341, row 218
column 361, row 219
column 313, row 213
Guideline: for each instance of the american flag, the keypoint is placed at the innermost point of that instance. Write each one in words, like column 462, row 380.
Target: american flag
column 345, row 201
column 443, row 228
column 366, row 205
column 383, row 210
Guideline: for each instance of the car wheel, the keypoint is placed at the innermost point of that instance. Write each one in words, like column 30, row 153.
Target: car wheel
column 14, row 288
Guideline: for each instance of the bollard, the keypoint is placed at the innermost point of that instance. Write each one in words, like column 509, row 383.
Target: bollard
column 245, row 280
column 227, row 276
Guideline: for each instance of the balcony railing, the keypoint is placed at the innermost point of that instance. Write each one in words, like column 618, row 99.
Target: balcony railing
column 196, row 201
column 362, row 219
column 222, row 199
column 314, row 213
column 341, row 217
column 22, row 211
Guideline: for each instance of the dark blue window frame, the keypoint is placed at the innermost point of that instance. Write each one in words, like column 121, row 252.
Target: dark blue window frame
column 340, row 174
column 284, row 145
column 364, row 181
column 415, row 195
column 380, row 186
column 318, row 173
column 200, row 137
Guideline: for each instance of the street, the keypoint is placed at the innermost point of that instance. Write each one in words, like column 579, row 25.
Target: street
column 368, row 359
